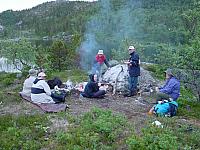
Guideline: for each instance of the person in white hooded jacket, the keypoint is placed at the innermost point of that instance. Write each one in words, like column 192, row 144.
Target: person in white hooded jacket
column 40, row 91
column 28, row 83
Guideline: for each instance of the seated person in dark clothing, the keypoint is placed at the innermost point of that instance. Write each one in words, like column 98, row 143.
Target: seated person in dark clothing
column 54, row 82
column 92, row 88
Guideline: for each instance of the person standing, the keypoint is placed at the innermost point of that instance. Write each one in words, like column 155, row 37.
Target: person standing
column 100, row 58
column 134, row 71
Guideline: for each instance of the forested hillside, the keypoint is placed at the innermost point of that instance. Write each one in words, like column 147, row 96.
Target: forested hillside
column 165, row 32
column 161, row 21
column 46, row 19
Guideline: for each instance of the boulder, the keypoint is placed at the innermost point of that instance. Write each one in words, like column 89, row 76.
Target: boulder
column 118, row 75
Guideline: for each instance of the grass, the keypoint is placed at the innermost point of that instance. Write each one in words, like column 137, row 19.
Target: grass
column 7, row 79
column 97, row 129
column 157, row 71
column 73, row 75
column 188, row 105
column 23, row 132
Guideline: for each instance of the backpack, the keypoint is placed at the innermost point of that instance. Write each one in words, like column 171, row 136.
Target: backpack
column 166, row 108
column 173, row 106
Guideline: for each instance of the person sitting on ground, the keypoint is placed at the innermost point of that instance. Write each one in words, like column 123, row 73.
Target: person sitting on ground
column 41, row 92
column 92, row 88
column 28, row 83
column 166, row 96
column 171, row 89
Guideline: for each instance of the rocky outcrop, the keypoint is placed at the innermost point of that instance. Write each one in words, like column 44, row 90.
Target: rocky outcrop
column 118, row 75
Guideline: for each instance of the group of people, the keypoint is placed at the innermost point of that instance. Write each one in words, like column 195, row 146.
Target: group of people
column 169, row 92
column 93, row 88
column 40, row 92
column 133, row 69
column 36, row 87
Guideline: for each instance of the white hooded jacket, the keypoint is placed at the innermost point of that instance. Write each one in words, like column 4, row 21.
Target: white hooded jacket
column 42, row 97
column 27, row 86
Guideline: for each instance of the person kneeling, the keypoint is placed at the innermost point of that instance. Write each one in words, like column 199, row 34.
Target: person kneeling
column 92, row 88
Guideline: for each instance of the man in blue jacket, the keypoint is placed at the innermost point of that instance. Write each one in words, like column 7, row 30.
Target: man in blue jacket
column 134, row 71
column 171, row 89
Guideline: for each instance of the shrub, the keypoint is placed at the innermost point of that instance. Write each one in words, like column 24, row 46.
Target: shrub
column 7, row 78
column 23, row 132
column 153, row 138
column 98, row 129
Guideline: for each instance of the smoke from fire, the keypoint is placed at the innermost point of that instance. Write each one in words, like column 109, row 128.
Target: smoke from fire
column 106, row 30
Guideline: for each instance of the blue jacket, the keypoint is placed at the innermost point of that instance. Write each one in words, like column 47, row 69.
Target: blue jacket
column 134, row 68
column 172, row 88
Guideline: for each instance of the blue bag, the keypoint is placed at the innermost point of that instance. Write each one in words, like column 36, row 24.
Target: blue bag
column 166, row 108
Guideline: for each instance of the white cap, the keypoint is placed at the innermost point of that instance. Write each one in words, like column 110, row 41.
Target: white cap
column 100, row 51
column 41, row 74
column 131, row 47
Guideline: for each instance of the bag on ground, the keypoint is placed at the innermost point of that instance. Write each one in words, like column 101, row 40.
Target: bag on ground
column 166, row 108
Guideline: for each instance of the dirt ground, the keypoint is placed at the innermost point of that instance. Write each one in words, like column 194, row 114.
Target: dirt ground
column 134, row 108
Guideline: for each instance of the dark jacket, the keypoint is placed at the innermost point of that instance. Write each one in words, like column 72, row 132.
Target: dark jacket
column 134, row 68
column 172, row 88
column 91, row 87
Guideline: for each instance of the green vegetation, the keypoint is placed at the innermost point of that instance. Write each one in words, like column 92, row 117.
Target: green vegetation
column 98, row 129
column 48, row 19
column 154, row 138
column 188, row 105
column 24, row 132
column 165, row 33
column 157, row 71
column 7, row 79
column 74, row 75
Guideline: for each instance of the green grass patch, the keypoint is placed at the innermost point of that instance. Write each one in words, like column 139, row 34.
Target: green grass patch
column 97, row 129
column 189, row 109
column 23, row 132
column 75, row 75
column 157, row 71
column 7, row 79
column 7, row 98
column 174, row 134
column 153, row 138
column 188, row 105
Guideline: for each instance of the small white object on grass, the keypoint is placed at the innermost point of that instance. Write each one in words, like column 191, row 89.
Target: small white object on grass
column 157, row 123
